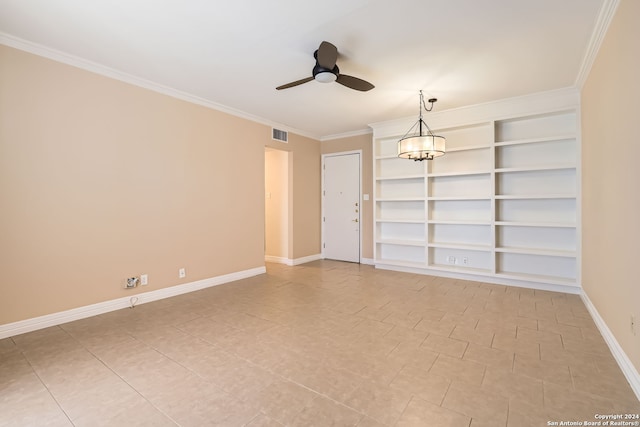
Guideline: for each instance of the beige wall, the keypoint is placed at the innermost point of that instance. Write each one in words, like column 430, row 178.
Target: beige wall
column 364, row 143
column 100, row 180
column 611, row 198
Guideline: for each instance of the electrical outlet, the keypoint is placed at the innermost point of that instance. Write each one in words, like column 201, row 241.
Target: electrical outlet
column 131, row 282
column 465, row 261
column 633, row 324
column 144, row 279
column 182, row 273
column 451, row 259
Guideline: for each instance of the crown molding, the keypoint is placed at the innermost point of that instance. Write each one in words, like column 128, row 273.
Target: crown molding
column 600, row 29
column 103, row 70
column 346, row 134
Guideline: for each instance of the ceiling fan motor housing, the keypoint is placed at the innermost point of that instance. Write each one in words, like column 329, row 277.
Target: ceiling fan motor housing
column 325, row 75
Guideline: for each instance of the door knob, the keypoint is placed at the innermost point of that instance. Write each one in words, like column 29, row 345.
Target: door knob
column 355, row 220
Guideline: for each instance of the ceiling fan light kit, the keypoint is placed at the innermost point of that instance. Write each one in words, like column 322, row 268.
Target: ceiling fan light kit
column 326, row 71
column 421, row 145
column 325, row 77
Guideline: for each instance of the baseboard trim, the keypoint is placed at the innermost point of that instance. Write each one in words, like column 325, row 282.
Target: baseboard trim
column 278, row 260
column 54, row 319
column 629, row 371
column 484, row 278
column 305, row 259
column 292, row 262
column 298, row 261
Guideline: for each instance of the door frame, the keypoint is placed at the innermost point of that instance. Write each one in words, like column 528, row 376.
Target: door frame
column 336, row 154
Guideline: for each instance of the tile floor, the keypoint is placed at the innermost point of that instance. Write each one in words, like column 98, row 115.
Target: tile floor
column 321, row 344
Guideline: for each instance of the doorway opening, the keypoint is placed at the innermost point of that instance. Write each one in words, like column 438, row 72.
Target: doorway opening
column 277, row 216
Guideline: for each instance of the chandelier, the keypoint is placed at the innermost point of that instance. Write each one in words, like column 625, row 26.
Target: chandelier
column 419, row 143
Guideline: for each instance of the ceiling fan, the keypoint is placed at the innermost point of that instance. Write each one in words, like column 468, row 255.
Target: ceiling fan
column 326, row 71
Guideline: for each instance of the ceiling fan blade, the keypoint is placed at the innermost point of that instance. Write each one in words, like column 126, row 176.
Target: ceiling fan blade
column 354, row 83
column 296, row 83
column 327, row 55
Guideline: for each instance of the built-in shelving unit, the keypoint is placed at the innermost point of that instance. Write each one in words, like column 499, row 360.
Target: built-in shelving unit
column 501, row 204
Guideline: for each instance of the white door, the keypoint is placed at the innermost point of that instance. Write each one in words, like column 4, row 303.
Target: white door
column 341, row 205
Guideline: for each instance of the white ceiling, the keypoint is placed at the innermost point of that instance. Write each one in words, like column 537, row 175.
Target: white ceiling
column 234, row 53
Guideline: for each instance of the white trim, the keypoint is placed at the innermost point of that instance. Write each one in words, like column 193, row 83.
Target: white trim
column 103, row 70
column 488, row 278
column 278, row 260
column 54, row 319
column 629, row 371
column 367, row 261
column 292, row 262
column 298, row 261
column 345, row 153
column 600, row 29
column 366, row 131
column 579, row 197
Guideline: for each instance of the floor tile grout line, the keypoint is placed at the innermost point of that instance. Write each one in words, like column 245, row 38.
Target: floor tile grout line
column 123, row 379
column 278, row 375
column 33, row 369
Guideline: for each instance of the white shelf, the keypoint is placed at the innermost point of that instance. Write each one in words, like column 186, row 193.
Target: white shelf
column 534, row 140
column 538, row 251
column 537, row 168
column 463, row 246
column 460, row 269
column 459, row 222
column 400, row 221
column 401, row 199
column 453, row 198
column 397, row 263
column 398, row 177
column 401, row 242
column 535, row 224
column 534, row 196
column 538, row 278
column 468, row 148
column 460, row 173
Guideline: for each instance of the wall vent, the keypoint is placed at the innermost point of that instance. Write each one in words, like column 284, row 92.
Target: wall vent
column 279, row 135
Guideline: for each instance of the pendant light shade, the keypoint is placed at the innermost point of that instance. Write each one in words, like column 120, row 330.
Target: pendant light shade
column 422, row 144
column 421, row 147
